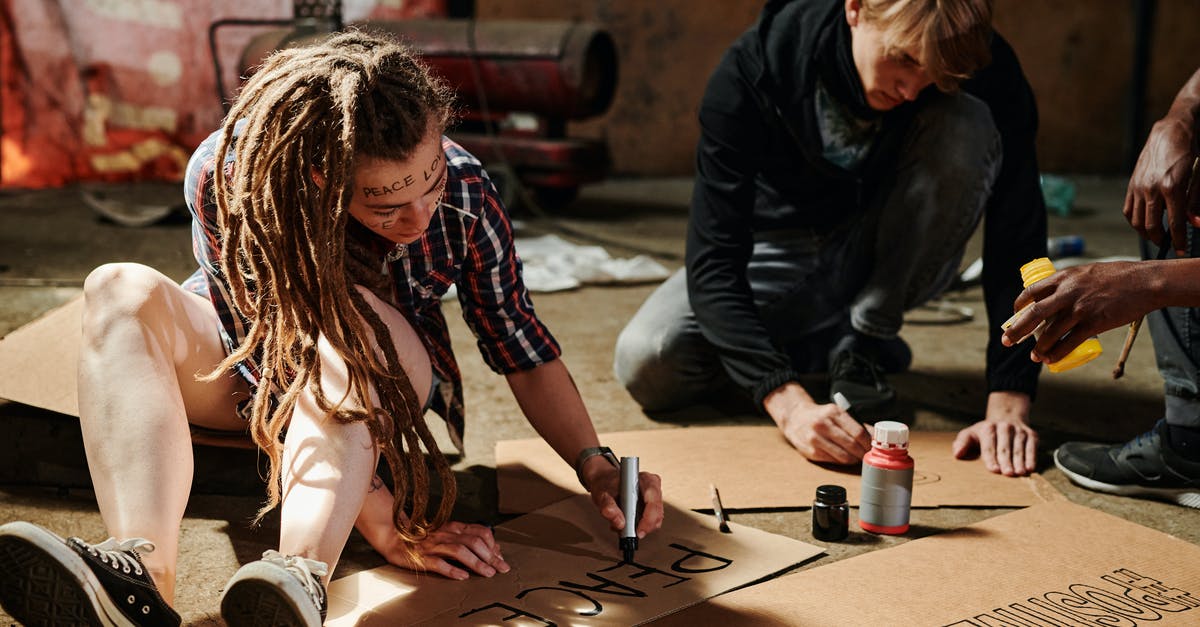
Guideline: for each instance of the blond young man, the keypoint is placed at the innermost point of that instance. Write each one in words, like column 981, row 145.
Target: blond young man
column 848, row 150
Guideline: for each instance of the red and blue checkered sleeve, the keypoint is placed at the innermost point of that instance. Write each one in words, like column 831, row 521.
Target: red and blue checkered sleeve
column 206, row 242
column 495, row 302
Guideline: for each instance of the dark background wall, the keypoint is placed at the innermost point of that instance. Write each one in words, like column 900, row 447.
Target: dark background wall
column 1077, row 54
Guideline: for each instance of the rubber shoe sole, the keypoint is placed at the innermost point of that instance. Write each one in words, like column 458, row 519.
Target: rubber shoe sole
column 1187, row 497
column 47, row 583
column 264, row 595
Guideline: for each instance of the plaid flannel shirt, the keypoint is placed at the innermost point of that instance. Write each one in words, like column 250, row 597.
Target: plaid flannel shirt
column 474, row 252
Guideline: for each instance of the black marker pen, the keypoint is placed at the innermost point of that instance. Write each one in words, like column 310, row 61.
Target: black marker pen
column 629, row 506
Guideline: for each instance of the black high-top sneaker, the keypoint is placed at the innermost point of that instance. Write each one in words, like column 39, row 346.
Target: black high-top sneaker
column 50, row 581
column 276, row 591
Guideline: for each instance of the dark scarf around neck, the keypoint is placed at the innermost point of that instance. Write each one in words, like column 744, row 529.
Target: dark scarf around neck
column 835, row 63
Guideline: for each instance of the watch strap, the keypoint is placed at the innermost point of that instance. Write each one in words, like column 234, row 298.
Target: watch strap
column 589, row 453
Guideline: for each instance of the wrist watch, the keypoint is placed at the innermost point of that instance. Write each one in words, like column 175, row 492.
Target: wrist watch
column 589, row 453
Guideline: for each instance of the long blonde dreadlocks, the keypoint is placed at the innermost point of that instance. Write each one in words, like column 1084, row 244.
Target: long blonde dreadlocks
column 315, row 109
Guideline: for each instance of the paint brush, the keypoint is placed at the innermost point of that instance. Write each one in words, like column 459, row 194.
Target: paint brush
column 1134, row 326
column 718, row 511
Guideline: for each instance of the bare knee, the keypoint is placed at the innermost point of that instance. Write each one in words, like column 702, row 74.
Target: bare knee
column 117, row 293
column 409, row 348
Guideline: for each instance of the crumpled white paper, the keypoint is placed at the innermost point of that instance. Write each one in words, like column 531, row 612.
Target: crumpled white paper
column 553, row 264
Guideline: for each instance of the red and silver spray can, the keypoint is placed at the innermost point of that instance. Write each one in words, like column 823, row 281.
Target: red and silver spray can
column 887, row 477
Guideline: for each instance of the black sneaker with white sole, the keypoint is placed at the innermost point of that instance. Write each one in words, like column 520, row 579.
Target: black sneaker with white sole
column 276, row 591
column 47, row 580
column 1146, row 466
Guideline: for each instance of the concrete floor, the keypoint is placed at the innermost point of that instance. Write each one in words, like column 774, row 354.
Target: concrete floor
column 49, row 240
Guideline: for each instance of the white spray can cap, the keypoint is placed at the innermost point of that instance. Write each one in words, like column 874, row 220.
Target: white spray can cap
column 890, row 434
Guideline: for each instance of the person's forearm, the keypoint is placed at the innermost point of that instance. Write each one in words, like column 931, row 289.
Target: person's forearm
column 1173, row 283
column 723, row 304
column 376, row 511
column 1014, row 231
column 551, row 402
column 1186, row 105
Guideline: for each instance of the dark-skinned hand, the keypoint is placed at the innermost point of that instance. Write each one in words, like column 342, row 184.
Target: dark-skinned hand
column 1160, row 184
column 1080, row 302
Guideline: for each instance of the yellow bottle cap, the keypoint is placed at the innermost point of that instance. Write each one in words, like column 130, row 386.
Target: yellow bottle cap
column 1089, row 350
column 1036, row 270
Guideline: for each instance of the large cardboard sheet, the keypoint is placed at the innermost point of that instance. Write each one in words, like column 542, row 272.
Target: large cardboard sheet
column 754, row 467
column 1049, row 565
column 567, row 570
column 38, row 362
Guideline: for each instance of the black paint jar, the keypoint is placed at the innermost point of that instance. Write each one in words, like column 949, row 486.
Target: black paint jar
column 830, row 514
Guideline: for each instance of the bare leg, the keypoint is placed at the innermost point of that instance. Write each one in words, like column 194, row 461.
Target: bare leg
column 144, row 340
column 328, row 466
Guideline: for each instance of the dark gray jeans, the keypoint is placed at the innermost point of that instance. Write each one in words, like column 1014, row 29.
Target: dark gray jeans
column 1176, row 335
column 904, row 250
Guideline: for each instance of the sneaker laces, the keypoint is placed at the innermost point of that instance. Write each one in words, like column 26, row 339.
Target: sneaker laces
column 304, row 569
column 122, row 554
column 1137, row 441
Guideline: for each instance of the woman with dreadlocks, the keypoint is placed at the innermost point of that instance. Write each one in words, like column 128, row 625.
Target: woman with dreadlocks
column 330, row 215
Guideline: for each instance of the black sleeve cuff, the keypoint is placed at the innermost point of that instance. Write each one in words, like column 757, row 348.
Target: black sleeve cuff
column 1024, row 384
column 1009, row 369
column 769, row 383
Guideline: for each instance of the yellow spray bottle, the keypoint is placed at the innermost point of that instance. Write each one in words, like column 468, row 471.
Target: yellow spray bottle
column 1090, row 349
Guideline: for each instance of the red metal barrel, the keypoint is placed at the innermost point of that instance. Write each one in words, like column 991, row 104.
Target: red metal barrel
column 558, row 69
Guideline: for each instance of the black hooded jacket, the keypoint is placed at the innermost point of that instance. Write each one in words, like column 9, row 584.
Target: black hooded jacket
column 759, row 167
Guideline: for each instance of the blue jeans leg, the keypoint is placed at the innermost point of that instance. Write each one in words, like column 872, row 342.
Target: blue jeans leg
column 1176, row 336
column 661, row 357
column 942, row 182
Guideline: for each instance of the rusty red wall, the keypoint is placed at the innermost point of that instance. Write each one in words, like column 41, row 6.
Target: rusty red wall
column 1077, row 54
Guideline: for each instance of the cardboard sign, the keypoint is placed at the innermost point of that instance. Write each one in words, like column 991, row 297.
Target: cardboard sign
column 754, row 467
column 39, row 361
column 567, row 570
column 1049, row 565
